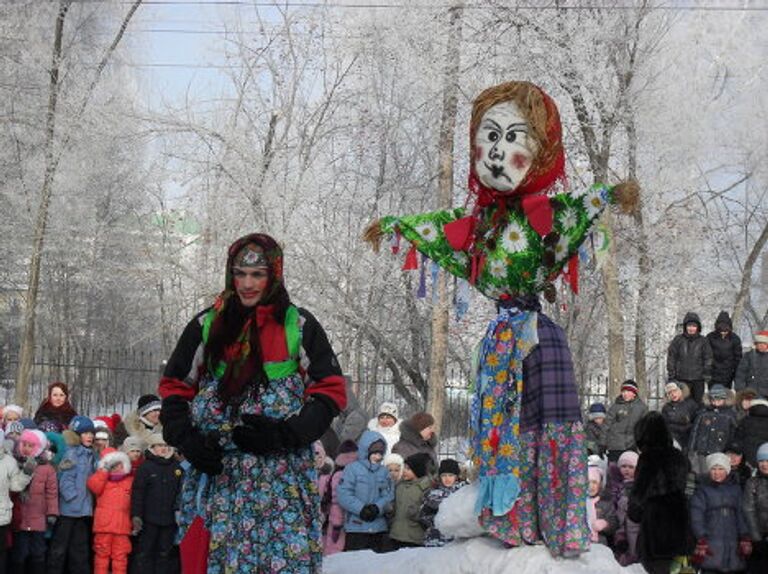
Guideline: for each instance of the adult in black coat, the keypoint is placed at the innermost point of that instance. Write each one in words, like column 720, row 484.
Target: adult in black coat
column 689, row 357
column 657, row 500
column 726, row 351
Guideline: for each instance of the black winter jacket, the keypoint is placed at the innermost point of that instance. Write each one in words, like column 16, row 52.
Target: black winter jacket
column 753, row 372
column 155, row 489
column 658, row 503
column 753, row 430
column 756, row 506
column 726, row 351
column 679, row 417
column 713, row 430
column 689, row 357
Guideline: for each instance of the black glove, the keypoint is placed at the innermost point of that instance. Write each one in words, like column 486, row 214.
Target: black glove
column 263, row 435
column 201, row 450
column 369, row 512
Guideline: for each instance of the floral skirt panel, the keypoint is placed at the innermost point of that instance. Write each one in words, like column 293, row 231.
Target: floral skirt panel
column 262, row 511
column 551, row 506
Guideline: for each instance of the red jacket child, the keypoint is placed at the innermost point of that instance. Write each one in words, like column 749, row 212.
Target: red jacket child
column 111, row 485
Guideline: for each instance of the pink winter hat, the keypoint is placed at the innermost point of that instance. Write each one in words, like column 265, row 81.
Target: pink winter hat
column 628, row 458
column 36, row 438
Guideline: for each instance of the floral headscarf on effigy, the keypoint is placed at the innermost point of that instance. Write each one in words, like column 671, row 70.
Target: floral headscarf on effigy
column 234, row 334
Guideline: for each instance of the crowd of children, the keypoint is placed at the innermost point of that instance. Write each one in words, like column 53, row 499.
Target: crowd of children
column 72, row 499
column 722, row 449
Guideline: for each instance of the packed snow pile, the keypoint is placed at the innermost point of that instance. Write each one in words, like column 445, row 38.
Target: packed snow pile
column 476, row 555
column 472, row 553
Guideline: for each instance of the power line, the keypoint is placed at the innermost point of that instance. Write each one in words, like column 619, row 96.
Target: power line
column 442, row 6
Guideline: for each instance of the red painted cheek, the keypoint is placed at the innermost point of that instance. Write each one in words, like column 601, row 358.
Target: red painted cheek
column 519, row 161
column 478, row 152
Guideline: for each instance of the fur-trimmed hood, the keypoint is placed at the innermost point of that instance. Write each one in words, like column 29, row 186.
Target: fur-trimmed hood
column 136, row 427
column 730, row 399
column 110, row 455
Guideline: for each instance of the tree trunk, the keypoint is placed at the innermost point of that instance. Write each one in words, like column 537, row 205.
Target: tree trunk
column 27, row 350
column 616, row 351
column 439, row 355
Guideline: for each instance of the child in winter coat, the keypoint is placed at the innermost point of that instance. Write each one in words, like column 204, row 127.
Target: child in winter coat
column 11, row 413
column 627, row 531
column 111, row 485
column 333, row 514
column 448, row 483
column 365, row 489
column 134, row 447
column 153, row 504
column 38, row 506
column 713, row 429
column 12, row 479
column 756, row 511
column 718, row 522
column 406, row 530
column 595, row 429
column 394, row 463
column 600, row 509
column 679, row 412
column 387, row 423
column 622, row 416
column 740, row 470
column 71, row 537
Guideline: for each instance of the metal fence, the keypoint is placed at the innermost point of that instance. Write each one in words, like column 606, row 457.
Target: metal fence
column 103, row 381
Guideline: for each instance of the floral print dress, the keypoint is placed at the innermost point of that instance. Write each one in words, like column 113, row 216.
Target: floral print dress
column 262, row 511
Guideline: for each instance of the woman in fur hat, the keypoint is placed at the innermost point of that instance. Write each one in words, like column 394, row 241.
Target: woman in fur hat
column 417, row 434
column 387, row 424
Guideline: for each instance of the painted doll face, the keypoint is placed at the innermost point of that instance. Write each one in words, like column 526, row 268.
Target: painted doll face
column 504, row 150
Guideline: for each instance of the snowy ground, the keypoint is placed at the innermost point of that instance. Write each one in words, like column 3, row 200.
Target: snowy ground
column 476, row 556
column 472, row 553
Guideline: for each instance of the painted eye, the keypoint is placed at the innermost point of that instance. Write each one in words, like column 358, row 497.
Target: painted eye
column 493, row 136
column 511, row 136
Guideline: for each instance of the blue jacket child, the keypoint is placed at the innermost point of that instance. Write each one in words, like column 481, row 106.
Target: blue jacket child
column 365, row 489
column 71, row 537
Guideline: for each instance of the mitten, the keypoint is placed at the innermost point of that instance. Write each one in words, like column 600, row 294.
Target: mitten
column 745, row 547
column 51, row 519
column 29, row 466
column 201, row 450
column 701, row 551
column 138, row 524
column 369, row 512
column 335, row 533
column 263, row 435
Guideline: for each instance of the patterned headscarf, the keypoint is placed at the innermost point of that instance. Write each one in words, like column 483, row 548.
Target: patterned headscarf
column 234, row 334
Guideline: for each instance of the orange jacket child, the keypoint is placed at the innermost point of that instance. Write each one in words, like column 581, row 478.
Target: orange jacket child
column 111, row 485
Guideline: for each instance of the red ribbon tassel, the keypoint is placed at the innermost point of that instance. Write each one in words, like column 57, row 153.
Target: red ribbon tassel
column 411, row 261
column 573, row 273
column 539, row 212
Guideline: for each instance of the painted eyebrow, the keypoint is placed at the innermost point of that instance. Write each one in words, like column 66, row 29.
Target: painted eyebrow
column 518, row 125
column 490, row 121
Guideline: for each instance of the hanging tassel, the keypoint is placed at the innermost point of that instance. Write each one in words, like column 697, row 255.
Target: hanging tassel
column 411, row 262
column 462, row 299
column 395, row 242
column 421, row 292
column 573, row 273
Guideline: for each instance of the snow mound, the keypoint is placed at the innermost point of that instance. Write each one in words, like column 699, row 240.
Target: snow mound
column 473, row 556
column 456, row 516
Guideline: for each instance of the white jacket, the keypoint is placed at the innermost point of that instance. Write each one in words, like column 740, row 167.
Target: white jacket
column 390, row 434
column 11, row 480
